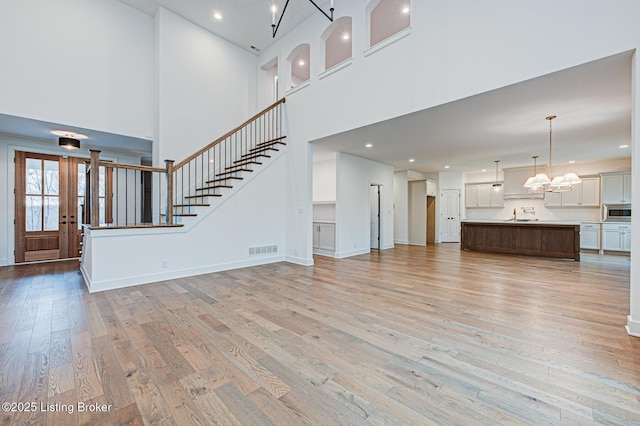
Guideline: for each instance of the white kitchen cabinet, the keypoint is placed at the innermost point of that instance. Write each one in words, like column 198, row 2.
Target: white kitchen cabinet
column 324, row 236
column 432, row 188
column 585, row 194
column 616, row 188
column 616, row 236
column 591, row 192
column 482, row 195
column 590, row 236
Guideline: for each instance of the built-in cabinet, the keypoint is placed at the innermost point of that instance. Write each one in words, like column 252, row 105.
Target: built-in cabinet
column 324, row 236
column 483, row 195
column 585, row 194
column 616, row 188
column 432, row 188
column 590, row 236
column 616, row 236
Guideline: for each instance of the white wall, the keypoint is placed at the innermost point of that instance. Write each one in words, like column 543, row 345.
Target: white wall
column 418, row 213
column 324, row 180
column 400, row 208
column 250, row 215
column 353, row 232
column 633, row 320
column 8, row 146
column 86, row 64
column 206, row 86
column 465, row 48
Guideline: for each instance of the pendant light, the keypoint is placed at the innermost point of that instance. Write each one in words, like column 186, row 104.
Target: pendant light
column 562, row 183
column 497, row 186
column 536, row 182
column 540, row 182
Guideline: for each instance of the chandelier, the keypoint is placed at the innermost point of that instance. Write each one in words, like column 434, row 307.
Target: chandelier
column 540, row 182
column 274, row 9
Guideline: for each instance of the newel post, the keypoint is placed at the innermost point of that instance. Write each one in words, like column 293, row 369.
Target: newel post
column 94, row 177
column 169, row 164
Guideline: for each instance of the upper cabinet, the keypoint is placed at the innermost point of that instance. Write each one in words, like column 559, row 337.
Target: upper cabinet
column 482, row 195
column 616, row 188
column 585, row 194
column 432, row 188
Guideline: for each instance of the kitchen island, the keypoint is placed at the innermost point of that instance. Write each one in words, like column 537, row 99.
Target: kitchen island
column 545, row 239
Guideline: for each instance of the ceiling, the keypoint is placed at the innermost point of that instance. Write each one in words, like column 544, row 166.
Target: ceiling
column 592, row 103
column 245, row 23
column 41, row 130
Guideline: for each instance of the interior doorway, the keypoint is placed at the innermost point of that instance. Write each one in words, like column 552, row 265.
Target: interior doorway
column 374, row 203
column 450, row 216
column 431, row 220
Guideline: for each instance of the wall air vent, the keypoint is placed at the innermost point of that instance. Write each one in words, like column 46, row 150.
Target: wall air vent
column 256, row 251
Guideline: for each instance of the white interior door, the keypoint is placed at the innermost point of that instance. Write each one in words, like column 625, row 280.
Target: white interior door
column 374, row 202
column 450, row 216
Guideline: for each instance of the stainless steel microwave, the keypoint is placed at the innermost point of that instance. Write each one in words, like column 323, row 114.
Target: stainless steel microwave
column 617, row 212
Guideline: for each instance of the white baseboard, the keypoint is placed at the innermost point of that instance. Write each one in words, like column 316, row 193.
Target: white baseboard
column 343, row 254
column 299, row 260
column 403, row 242
column 4, row 262
column 322, row 252
column 633, row 327
column 94, row 286
column 387, row 246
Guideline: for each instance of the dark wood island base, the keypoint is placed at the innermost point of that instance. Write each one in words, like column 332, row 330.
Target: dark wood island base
column 527, row 238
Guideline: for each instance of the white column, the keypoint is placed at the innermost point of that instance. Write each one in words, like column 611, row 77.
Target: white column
column 633, row 320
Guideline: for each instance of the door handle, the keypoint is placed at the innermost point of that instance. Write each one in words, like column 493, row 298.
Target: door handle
column 73, row 222
column 63, row 223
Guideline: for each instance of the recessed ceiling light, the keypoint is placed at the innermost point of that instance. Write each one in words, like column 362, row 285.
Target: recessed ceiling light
column 484, row 170
column 69, row 134
column 447, row 166
column 217, row 15
column 411, row 160
column 369, row 145
column 405, row 10
column 301, row 63
column 572, row 161
column 346, row 36
column 623, row 146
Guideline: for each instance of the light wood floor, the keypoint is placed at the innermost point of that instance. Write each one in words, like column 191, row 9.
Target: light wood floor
column 410, row 336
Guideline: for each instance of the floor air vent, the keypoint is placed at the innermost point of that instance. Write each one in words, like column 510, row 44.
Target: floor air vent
column 254, row 251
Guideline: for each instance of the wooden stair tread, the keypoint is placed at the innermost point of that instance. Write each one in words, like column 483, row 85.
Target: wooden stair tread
column 203, row 195
column 208, row 188
column 250, row 156
column 226, row 178
column 181, row 214
column 268, row 146
column 244, row 163
column 272, row 141
column 191, row 205
column 234, row 171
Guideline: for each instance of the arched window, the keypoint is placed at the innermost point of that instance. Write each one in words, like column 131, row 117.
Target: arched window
column 300, row 59
column 337, row 42
column 386, row 18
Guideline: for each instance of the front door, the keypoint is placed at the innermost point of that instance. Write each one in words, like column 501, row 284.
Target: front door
column 47, row 207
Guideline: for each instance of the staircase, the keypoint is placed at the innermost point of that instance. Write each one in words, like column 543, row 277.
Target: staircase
column 223, row 180
column 214, row 170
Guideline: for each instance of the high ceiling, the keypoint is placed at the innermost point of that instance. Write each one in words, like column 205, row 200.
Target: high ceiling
column 592, row 103
column 245, row 23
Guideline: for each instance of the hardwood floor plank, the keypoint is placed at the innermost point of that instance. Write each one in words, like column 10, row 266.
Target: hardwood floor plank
column 410, row 335
column 114, row 385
